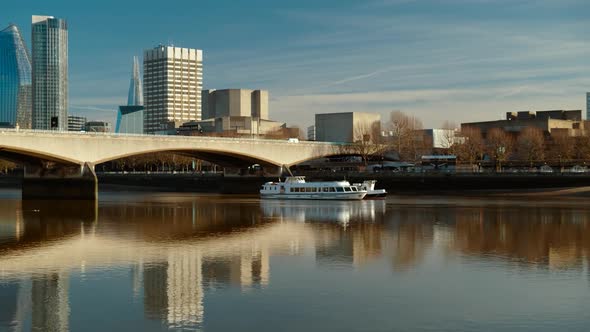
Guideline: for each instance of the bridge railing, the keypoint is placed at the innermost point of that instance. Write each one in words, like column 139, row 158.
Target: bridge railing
column 170, row 137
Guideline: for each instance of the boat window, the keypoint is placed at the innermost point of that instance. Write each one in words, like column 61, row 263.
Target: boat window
column 346, row 188
column 339, row 189
column 292, row 190
column 332, row 189
column 313, row 190
column 326, row 189
column 353, row 188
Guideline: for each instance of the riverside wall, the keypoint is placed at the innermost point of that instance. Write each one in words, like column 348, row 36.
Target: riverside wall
column 393, row 183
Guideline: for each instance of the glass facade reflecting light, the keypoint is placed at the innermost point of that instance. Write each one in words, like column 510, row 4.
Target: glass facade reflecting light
column 50, row 73
column 130, row 120
column 15, row 79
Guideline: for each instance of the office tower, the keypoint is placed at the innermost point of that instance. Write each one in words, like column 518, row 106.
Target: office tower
column 130, row 118
column 76, row 123
column 235, row 102
column 50, row 73
column 173, row 80
column 15, row 79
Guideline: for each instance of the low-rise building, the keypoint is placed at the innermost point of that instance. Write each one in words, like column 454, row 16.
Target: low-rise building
column 436, row 138
column 98, row 127
column 237, row 126
column 236, row 112
column 76, row 123
column 568, row 122
column 311, row 133
column 347, row 127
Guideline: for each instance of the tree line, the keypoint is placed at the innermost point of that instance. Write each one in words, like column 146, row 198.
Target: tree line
column 404, row 137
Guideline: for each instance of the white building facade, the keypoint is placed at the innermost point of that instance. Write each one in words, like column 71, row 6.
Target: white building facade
column 173, row 81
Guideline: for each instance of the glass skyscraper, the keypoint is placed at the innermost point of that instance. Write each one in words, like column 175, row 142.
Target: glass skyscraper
column 15, row 79
column 50, row 73
column 130, row 117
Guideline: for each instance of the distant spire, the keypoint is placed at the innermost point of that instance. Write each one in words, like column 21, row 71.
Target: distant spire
column 135, row 97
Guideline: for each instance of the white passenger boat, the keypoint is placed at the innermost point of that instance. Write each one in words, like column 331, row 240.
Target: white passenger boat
column 369, row 186
column 295, row 187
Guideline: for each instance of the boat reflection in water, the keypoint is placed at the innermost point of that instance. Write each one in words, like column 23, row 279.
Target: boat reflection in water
column 164, row 255
column 342, row 212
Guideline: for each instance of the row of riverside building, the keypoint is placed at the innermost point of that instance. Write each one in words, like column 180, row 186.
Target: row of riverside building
column 34, row 91
column 34, row 85
column 34, row 94
column 176, row 104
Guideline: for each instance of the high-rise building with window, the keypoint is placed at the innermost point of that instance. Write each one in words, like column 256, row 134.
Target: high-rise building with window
column 173, row 81
column 50, row 73
column 15, row 79
column 130, row 118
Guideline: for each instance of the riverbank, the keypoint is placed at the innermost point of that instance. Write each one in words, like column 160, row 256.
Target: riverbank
column 393, row 183
column 451, row 184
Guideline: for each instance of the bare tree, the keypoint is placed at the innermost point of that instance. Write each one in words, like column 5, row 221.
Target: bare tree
column 531, row 145
column 6, row 166
column 403, row 129
column 499, row 146
column 367, row 141
column 449, row 137
column 561, row 148
column 582, row 147
column 471, row 147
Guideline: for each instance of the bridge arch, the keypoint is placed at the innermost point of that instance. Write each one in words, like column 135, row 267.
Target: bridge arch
column 212, row 155
column 30, row 156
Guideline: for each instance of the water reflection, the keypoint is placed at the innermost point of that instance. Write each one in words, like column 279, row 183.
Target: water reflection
column 179, row 249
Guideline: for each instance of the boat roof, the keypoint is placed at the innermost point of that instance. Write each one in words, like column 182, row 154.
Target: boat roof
column 314, row 184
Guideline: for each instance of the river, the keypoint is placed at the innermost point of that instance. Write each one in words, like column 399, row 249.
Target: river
column 161, row 261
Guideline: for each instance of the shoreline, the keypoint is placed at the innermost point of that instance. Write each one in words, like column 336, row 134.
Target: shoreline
column 437, row 184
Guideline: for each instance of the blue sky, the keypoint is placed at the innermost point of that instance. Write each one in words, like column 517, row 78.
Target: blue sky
column 461, row 60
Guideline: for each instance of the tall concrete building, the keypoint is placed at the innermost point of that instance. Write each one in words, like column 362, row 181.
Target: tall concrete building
column 236, row 112
column 15, row 79
column 130, row 118
column 235, row 102
column 50, row 73
column 173, row 81
column 346, row 127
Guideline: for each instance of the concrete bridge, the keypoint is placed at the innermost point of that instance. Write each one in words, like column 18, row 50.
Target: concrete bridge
column 69, row 157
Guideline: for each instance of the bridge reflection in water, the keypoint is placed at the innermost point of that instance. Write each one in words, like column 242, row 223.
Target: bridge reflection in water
column 175, row 249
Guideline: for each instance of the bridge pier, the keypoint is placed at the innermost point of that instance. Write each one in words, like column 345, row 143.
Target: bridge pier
column 55, row 181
